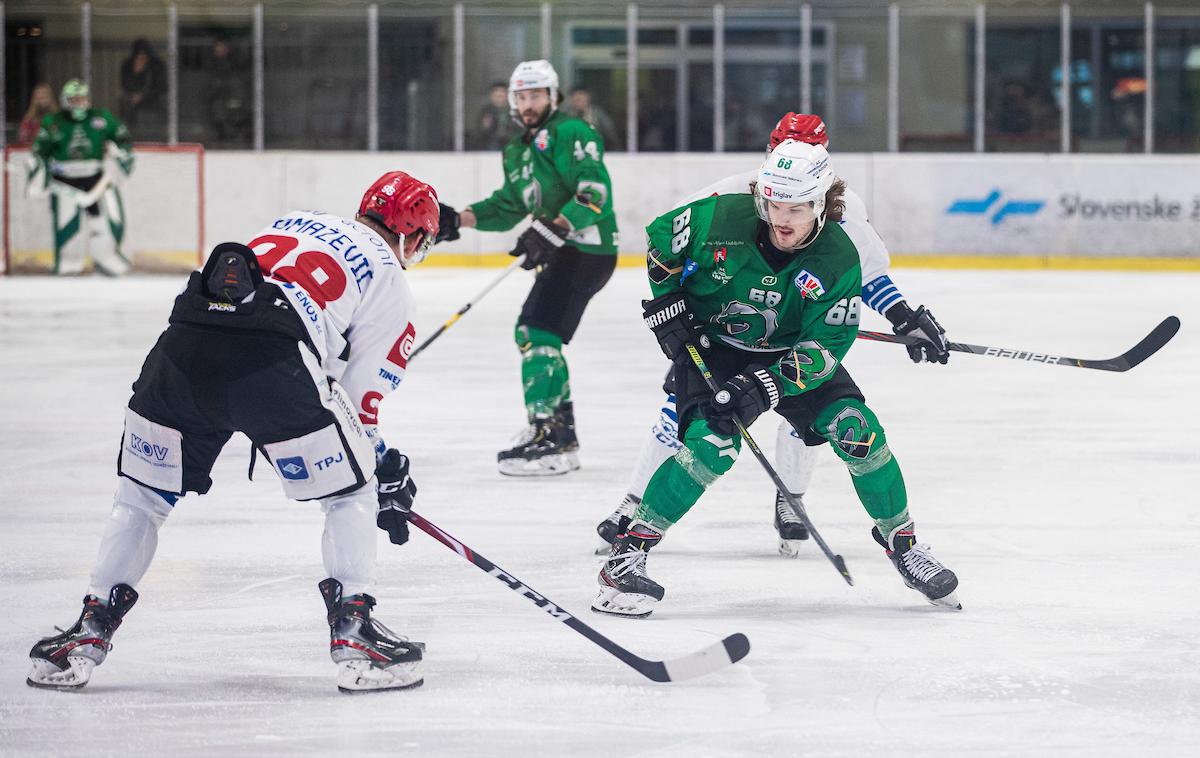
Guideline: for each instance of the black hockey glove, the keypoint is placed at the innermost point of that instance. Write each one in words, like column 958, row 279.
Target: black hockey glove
column 746, row 396
column 672, row 323
column 448, row 222
column 538, row 242
column 396, row 491
column 921, row 324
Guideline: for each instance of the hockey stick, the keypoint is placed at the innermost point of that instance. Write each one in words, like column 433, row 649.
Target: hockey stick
column 838, row 562
column 450, row 321
column 1150, row 344
column 718, row 655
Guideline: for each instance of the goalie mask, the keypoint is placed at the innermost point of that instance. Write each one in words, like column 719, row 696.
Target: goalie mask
column 75, row 99
column 529, row 75
column 791, row 187
column 407, row 208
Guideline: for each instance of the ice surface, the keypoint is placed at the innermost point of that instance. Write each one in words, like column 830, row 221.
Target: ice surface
column 1065, row 499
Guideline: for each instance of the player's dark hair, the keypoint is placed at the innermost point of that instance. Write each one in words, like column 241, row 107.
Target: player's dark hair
column 835, row 202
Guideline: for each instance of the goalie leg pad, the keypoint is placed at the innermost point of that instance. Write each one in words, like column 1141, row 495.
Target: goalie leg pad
column 70, row 244
column 106, row 231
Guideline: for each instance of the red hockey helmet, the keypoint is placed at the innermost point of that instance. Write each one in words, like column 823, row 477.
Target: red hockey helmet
column 405, row 207
column 802, row 127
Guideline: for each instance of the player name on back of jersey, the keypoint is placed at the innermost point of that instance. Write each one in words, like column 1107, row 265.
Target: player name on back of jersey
column 336, row 235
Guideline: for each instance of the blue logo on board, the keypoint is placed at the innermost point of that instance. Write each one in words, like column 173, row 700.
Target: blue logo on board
column 998, row 209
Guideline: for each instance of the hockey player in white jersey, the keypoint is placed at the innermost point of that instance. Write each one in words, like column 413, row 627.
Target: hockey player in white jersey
column 293, row 340
column 796, row 450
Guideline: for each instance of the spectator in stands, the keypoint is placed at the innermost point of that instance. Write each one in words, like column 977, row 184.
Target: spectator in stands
column 580, row 105
column 1014, row 112
column 41, row 104
column 494, row 126
column 143, row 91
column 227, row 96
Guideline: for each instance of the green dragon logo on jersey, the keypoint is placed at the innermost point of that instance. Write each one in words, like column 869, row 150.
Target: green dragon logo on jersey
column 749, row 325
column 532, row 196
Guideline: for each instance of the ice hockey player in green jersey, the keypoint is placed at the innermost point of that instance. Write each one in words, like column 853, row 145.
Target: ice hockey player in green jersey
column 770, row 293
column 85, row 205
column 553, row 171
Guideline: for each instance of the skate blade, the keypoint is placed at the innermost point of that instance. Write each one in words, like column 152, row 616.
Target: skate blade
column 790, row 548
column 613, row 602
column 949, row 601
column 45, row 675
column 548, row 465
column 603, row 548
column 360, row 676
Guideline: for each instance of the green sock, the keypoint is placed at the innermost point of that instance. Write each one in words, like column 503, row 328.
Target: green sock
column 681, row 480
column 544, row 372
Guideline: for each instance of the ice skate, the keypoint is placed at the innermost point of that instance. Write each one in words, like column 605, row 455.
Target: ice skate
column 565, row 416
column 369, row 656
column 545, row 448
column 65, row 661
column 791, row 529
column 625, row 589
column 616, row 523
column 918, row 568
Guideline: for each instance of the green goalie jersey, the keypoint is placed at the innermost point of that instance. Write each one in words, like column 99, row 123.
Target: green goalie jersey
column 754, row 298
column 559, row 171
column 75, row 148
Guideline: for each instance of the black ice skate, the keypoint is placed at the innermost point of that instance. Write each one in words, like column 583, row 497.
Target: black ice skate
column 791, row 529
column 617, row 522
column 565, row 416
column 65, row 661
column 369, row 655
column 545, row 448
column 625, row 590
column 917, row 566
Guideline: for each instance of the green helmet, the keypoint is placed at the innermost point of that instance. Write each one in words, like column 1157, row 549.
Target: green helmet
column 75, row 98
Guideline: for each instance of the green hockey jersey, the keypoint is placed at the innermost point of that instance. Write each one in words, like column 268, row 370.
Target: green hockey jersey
column 806, row 304
column 559, row 171
column 75, row 148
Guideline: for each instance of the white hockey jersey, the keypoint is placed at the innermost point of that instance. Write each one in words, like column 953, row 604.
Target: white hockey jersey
column 351, row 294
column 878, row 291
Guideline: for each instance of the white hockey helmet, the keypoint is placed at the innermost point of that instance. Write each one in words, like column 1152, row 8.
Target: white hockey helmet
column 795, row 174
column 537, row 74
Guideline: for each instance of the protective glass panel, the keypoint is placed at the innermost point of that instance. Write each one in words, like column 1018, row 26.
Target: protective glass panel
column 129, row 68
column 315, row 78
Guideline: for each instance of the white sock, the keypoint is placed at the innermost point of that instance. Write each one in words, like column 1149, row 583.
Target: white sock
column 349, row 542
column 794, row 460
column 130, row 538
column 662, row 444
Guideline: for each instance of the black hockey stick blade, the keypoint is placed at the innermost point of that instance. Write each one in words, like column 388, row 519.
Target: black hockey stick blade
column 1149, row 345
column 716, row 656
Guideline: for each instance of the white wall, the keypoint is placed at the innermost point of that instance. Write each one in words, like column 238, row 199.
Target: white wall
column 1073, row 205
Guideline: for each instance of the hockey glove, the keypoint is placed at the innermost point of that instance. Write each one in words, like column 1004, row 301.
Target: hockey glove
column 672, row 323
column 538, row 242
column 921, row 324
column 396, row 491
column 448, row 222
column 744, row 397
